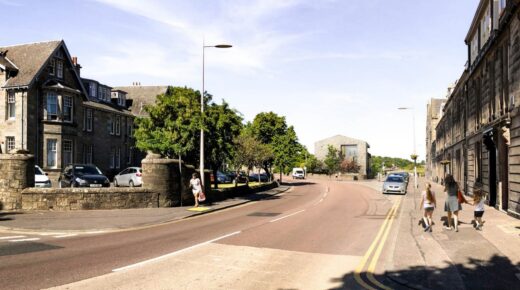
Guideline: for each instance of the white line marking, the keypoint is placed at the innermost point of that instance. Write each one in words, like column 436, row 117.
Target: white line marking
column 50, row 234
column 174, row 253
column 320, row 200
column 11, row 237
column 281, row 218
column 65, row 236
column 24, row 240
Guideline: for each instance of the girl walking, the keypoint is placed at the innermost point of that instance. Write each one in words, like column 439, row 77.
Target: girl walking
column 428, row 203
column 478, row 202
column 452, row 205
column 196, row 187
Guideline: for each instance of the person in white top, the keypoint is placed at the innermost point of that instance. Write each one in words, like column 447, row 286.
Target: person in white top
column 196, row 187
column 428, row 203
column 478, row 202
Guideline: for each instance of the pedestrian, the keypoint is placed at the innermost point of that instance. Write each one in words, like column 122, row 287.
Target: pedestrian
column 452, row 205
column 196, row 188
column 478, row 202
column 428, row 203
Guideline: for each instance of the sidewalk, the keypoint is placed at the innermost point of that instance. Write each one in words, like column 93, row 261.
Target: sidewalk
column 445, row 259
column 113, row 220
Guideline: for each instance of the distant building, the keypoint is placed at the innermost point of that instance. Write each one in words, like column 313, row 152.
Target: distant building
column 349, row 147
column 433, row 115
column 139, row 96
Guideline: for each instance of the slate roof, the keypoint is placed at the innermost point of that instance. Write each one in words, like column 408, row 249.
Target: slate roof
column 29, row 59
column 5, row 62
column 141, row 96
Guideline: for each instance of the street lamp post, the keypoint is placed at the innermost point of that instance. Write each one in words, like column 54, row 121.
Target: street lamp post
column 201, row 165
column 414, row 155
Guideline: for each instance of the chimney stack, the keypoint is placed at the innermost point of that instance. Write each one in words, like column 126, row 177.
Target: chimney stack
column 76, row 65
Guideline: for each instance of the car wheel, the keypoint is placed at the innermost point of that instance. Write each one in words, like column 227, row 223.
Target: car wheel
column 115, row 183
column 131, row 183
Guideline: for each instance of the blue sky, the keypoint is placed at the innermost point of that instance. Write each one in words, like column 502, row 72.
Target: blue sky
column 331, row 67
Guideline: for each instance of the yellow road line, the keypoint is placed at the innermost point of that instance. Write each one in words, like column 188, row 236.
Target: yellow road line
column 361, row 265
column 372, row 267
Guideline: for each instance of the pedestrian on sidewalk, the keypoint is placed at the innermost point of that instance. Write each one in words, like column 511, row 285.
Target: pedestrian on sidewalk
column 196, row 187
column 478, row 202
column 452, row 205
column 428, row 203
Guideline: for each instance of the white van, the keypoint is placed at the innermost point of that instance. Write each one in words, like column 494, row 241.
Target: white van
column 298, row 173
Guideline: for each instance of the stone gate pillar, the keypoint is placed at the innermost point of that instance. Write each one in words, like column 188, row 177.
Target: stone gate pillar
column 17, row 173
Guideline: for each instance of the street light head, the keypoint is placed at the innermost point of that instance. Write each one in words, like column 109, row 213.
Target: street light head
column 403, row 108
column 223, row 46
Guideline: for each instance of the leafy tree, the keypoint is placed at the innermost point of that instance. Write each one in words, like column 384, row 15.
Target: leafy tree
column 313, row 164
column 285, row 148
column 349, row 166
column 250, row 152
column 332, row 160
column 222, row 126
column 173, row 124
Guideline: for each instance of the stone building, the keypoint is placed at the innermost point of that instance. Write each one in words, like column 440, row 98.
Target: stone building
column 478, row 135
column 349, row 147
column 140, row 96
column 433, row 114
column 46, row 108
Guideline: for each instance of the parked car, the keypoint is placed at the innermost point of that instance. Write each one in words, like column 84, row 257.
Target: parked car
column 41, row 178
column 405, row 175
column 262, row 177
column 394, row 184
column 223, row 178
column 131, row 176
column 237, row 178
column 298, row 173
column 82, row 175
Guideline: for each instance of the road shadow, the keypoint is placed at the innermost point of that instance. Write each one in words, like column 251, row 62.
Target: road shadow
column 298, row 183
column 24, row 248
column 6, row 216
column 496, row 273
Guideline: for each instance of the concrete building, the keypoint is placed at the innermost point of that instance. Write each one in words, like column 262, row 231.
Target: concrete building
column 46, row 108
column 478, row 135
column 349, row 147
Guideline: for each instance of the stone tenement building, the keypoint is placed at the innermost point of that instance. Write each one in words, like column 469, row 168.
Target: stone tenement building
column 349, row 147
column 478, row 136
column 433, row 115
column 47, row 109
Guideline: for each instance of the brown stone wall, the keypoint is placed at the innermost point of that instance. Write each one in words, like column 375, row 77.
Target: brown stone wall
column 17, row 173
column 88, row 198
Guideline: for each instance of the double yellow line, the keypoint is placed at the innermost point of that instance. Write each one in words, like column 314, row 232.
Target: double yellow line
column 379, row 242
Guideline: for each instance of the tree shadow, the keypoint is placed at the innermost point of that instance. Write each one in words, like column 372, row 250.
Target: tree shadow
column 496, row 273
column 5, row 216
column 298, row 183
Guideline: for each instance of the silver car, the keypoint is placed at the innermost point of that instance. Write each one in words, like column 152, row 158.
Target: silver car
column 131, row 176
column 394, row 184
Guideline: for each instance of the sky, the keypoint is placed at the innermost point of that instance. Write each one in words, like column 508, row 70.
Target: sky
column 330, row 67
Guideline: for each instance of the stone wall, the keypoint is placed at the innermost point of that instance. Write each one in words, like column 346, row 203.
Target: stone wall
column 88, row 198
column 17, row 173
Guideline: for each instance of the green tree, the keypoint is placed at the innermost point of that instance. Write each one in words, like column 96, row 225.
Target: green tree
column 332, row 160
column 222, row 126
column 249, row 152
column 285, row 149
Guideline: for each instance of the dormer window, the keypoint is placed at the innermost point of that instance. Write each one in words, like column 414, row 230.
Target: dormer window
column 121, row 99
column 59, row 68
column 52, row 67
column 93, row 90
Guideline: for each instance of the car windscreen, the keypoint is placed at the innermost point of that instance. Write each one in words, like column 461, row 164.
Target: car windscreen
column 299, row 171
column 394, row 179
column 86, row 170
column 38, row 171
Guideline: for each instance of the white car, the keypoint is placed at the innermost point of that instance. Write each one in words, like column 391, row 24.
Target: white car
column 298, row 173
column 40, row 178
column 131, row 176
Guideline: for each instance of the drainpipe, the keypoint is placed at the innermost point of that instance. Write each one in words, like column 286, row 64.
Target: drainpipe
column 22, row 122
column 465, row 137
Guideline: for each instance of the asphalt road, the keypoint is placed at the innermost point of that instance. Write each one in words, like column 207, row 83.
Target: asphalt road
column 311, row 237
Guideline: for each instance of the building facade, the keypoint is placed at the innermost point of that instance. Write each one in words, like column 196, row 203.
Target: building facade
column 47, row 109
column 349, row 148
column 433, row 114
column 478, row 135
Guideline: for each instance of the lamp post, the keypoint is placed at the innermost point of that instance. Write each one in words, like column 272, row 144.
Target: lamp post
column 414, row 155
column 201, row 167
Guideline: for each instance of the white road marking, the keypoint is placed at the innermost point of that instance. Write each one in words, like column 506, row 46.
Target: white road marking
column 175, row 253
column 11, row 237
column 51, row 234
column 24, row 240
column 281, row 218
column 65, row 236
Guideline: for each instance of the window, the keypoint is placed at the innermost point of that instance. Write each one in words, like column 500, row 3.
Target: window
column 93, row 89
column 100, row 94
column 501, row 6
column 88, row 154
column 118, row 157
column 52, row 153
column 349, row 152
column 11, row 105
column 88, row 120
column 121, row 99
column 128, row 154
column 111, row 125
column 67, row 152
column 485, row 27
column 477, row 161
column 9, row 143
column 67, row 109
column 129, row 128
column 52, row 67
column 59, row 69
column 112, row 157
column 118, row 125
column 52, row 106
